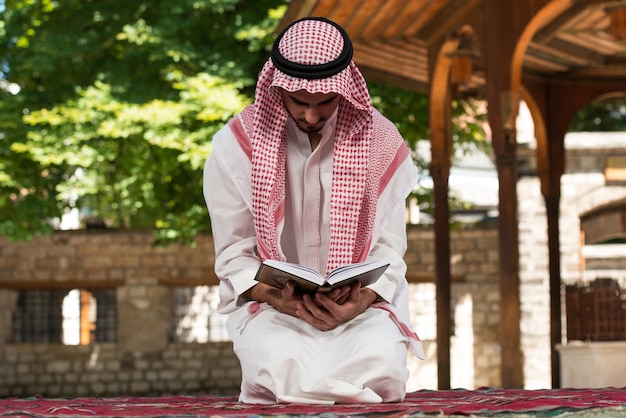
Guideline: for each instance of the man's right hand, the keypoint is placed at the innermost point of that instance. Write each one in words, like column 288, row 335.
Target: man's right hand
column 284, row 300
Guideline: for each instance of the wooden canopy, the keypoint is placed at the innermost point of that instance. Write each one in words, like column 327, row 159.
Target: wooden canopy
column 556, row 55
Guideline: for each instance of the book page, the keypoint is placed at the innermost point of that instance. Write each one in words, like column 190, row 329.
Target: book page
column 278, row 273
column 304, row 272
column 358, row 270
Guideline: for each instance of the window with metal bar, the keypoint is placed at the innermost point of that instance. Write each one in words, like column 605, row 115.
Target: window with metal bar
column 195, row 316
column 71, row 317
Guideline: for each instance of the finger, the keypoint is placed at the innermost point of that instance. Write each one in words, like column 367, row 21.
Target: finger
column 342, row 295
column 307, row 316
column 341, row 300
column 353, row 293
column 333, row 313
column 334, row 294
column 323, row 303
column 344, row 290
column 288, row 291
column 318, row 307
column 312, row 303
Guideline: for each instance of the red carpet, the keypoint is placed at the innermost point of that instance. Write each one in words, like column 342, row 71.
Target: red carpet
column 484, row 402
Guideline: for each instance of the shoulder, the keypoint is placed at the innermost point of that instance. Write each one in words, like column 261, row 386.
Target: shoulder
column 387, row 142
column 382, row 125
column 223, row 140
column 230, row 150
column 233, row 137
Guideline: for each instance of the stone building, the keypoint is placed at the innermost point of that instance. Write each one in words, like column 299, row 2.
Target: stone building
column 592, row 204
column 156, row 330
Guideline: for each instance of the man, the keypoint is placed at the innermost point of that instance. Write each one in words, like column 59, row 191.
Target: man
column 312, row 174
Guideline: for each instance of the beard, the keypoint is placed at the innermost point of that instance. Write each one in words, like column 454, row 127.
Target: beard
column 305, row 127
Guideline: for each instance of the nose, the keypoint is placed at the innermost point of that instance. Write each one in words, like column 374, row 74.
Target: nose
column 312, row 115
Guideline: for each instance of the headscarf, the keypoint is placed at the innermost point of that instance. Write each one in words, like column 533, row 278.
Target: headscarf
column 314, row 54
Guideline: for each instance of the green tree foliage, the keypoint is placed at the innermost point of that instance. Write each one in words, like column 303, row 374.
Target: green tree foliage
column 117, row 104
column 110, row 106
column 410, row 112
column 608, row 115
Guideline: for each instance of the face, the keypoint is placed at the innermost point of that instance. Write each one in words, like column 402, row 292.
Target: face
column 310, row 110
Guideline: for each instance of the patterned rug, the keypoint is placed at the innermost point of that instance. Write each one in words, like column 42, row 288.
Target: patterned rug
column 483, row 402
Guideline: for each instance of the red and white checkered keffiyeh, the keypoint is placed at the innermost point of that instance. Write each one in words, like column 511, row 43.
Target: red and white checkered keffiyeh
column 357, row 164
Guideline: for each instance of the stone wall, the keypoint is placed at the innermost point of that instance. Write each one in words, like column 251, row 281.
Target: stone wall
column 474, row 345
column 584, row 187
column 144, row 362
column 57, row 370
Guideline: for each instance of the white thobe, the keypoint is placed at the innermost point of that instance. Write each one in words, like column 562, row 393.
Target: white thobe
column 284, row 359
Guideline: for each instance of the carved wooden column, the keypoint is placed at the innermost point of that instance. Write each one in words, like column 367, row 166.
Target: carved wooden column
column 500, row 37
column 441, row 150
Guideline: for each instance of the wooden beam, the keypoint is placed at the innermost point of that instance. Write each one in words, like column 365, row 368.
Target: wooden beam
column 396, row 53
column 379, row 22
column 69, row 285
column 361, row 16
column 343, row 12
column 534, row 63
column 563, row 52
column 297, row 9
column 411, row 11
column 396, row 80
column 449, row 18
column 430, row 12
column 590, row 43
column 325, row 8
column 562, row 20
column 601, row 75
column 382, row 58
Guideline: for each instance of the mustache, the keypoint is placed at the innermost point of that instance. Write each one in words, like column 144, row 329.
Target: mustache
column 304, row 126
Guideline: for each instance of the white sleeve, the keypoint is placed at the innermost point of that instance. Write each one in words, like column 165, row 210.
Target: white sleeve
column 391, row 246
column 226, row 187
column 389, row 239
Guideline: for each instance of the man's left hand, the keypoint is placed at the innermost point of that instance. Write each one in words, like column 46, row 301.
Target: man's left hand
column 326, row 313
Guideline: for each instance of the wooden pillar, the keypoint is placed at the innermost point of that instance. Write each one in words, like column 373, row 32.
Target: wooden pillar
column 550, row 163
column 554, row 105
column 500, row 38
column 554, row 267
column 563, row 101
column 443, row 279
column 511, row 369
column 441, row 149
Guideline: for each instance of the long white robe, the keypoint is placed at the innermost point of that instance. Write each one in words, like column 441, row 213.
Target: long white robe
column 284, row 359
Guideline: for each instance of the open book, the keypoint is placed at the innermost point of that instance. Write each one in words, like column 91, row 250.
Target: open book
column 277, row 273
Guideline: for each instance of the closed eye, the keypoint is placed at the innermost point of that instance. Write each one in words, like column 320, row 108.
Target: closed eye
column 328, row 101
column 322, row 103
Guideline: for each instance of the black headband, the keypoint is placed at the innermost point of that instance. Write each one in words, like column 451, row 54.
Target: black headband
column 315, row 71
